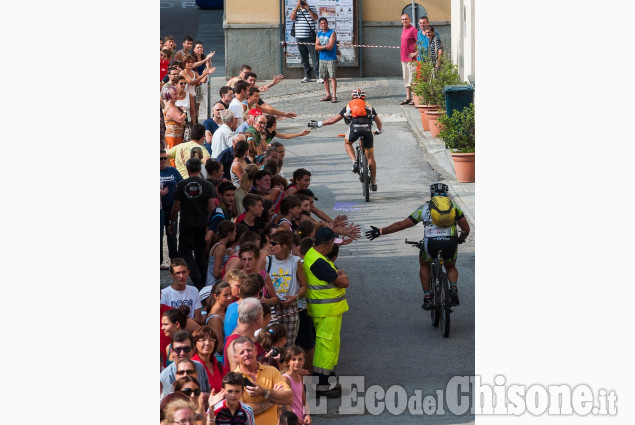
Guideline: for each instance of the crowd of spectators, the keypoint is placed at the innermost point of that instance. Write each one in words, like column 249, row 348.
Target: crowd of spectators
column 236, row 338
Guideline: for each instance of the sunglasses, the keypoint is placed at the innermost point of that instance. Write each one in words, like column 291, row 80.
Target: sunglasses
column 272, row 243
column 182, row 349
column 188, row 392
column 186, row 372
column 163, row 158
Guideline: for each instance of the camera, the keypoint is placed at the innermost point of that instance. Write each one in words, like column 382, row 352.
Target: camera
column 275, row 351
column 302, row 2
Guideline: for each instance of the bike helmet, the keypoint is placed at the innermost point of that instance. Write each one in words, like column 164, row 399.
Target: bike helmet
column 358, row 94
column 438, row 189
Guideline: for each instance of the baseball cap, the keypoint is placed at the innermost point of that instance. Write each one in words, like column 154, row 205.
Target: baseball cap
column 325, row 234
column 255, row 112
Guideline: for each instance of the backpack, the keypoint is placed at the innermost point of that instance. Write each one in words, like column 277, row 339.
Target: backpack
column 358, row 108
column 442, row 211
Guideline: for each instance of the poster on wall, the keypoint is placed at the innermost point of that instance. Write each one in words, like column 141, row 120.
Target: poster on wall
column 340, row 16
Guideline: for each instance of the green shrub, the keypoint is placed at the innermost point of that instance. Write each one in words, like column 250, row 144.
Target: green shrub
column 458, row 131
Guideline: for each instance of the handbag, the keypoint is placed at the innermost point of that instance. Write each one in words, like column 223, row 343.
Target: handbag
column 293, row 29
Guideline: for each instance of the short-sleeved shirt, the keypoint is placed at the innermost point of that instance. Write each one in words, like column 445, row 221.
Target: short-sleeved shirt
column 210, row 125
column 170, row 178
column 408, row 41
column 182, row 152
column 189, row 297
column 433, row 48
column 267, row 378
column 244, row 415
column 216, row 217
column 422, row 214
column 194, row 194
column 304, row 22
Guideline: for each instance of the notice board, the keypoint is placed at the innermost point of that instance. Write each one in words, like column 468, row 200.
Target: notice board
column 342, row 18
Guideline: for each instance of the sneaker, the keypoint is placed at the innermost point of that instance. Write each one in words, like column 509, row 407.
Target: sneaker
column 427, row 303
column 355, row 167
column 373, row 187
column 454, row 296
column 320, row 80
column 305, row 80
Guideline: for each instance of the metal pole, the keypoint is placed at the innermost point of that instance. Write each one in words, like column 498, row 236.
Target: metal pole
column 413, row 13
column 281, row 32
column 359, row 30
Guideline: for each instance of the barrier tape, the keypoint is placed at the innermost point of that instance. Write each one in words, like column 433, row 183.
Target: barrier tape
column 284, row 43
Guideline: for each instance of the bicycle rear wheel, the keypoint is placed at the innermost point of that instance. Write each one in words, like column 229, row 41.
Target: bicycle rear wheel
column 444, row 305
column 365, row 177
column 435, row 313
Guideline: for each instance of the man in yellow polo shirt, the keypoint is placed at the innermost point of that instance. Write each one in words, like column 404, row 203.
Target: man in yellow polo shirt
column 183, row 151
column 326, row 302
column 265, row 388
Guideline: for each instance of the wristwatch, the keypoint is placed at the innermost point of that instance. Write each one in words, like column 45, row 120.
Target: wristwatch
column 267, row 394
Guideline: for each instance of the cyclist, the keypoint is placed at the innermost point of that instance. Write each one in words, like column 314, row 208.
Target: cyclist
column 359, row 115
column 439, row 209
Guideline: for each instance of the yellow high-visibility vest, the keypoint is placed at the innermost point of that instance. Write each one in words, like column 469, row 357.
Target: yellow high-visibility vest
column 323, row 299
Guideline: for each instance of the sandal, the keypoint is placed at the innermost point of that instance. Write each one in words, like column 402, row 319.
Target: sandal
column 334, row 100
column 412, row 102
column 325, row 98
column 405, row 101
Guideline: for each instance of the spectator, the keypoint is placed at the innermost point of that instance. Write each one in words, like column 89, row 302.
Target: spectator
column 241, row 150
column 231, row 410
column 185, row 50
column 214, row 172
column 164, row 63
column 185, row 100
column 326, row 45
column 169, row 178
column 269, row 388
column 217, row 304
column 205, row 343
column 254, row 100
column 235, row 278
column 290, row 208
column 189, row 386
column 193, row 80
column 287, row 417
column 250, row 261
column 226, row 157
column 288, row 280
column 301, row 180
column 422, row 39
column 305, row 17
column 408, row 56
column 168, row 43
column 195, row 198
column 253, row 211
column 249, row 121
column 270, row 131
column 182, row 345
column 182, row 152
column 222, row 138
column 272, row 338
column 212, row 124
column 179, row 293
column 179, row 411
column 238, row 105
column 219, row 254
column 226, row 94
column 168, row 399
column 244, row 69
column 172, row 321
column 435, row 52
column 294, row 362
column 249, row 320
column 222, row 212
column 174, row 117
column 246, row 183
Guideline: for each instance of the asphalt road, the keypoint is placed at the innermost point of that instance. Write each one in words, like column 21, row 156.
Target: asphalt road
column 386, row 338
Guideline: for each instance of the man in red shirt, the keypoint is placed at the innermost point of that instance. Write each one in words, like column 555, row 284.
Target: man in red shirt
column 408, row 53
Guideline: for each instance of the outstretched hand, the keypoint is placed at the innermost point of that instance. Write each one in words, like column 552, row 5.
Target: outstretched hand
column 373, row 233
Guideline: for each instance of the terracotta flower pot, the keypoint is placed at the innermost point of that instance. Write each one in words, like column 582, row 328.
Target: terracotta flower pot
column 424, row 117
column 464, row 167
column 433, row 118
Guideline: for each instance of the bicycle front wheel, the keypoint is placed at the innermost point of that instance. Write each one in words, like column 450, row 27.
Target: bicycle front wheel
column 365, row 177
column 445, row 305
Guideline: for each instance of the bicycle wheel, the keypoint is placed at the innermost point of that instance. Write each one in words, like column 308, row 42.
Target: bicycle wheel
column 434, row 293
column 365, row 177
column 445, row 305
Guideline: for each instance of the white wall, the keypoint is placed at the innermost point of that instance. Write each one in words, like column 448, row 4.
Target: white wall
column 462, row 35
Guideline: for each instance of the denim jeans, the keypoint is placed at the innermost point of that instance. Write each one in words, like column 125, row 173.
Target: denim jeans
column 305, row 50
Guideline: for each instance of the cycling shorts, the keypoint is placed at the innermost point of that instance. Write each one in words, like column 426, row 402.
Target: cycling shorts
column 431, row 247
column 355, row 131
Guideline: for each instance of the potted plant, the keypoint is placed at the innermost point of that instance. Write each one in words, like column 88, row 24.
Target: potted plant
column 458, row 133
column 422, row 89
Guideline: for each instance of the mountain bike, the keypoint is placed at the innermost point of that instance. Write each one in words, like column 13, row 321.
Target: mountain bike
column 439, row 291
column 362, row 166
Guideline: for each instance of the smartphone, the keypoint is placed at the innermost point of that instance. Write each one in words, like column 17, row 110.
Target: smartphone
column 248, row 383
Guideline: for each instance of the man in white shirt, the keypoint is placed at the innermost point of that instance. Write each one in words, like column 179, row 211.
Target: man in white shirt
column 222, row 138
column 180, row 293
column 238, row 105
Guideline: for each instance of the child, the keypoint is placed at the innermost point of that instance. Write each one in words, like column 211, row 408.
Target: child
column 234, row 278
column 294, row 362
column 226, row 405
column 272, row 338
column 288, row 418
